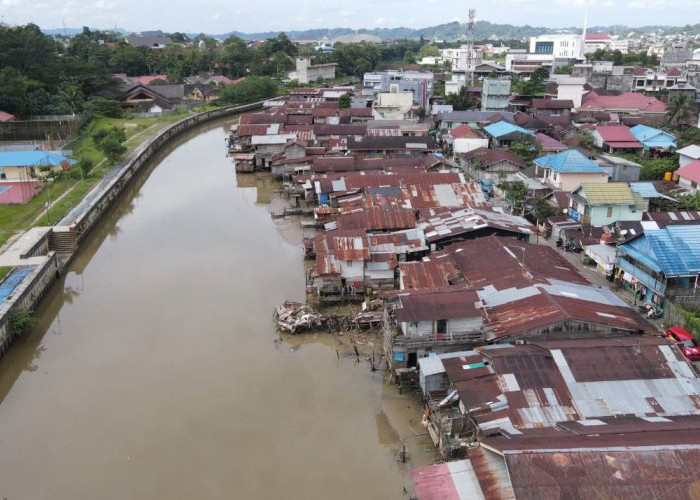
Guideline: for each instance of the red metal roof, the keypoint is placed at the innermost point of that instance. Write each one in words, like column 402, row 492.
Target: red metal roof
column 618, row 136
column 629, row 101
column 691, row 171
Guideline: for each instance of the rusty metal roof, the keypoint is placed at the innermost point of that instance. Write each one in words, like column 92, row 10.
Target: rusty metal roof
column 443, row 303
column 433, row 273
column 620, row 474
column 378, row 219
column 595, row 387
column 445, row 225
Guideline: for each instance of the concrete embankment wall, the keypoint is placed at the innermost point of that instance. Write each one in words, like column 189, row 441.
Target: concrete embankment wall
column 61, row 242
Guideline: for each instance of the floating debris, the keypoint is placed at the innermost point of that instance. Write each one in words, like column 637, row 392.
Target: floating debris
column 294, row 316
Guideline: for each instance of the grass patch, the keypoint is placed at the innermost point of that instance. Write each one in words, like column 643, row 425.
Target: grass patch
column 4, row 271
column 17, row 218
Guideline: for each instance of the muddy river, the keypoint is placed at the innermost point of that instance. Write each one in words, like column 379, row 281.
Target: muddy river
column 156, row 371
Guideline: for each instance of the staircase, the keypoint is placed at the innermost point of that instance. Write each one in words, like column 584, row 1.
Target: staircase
column 63, row 241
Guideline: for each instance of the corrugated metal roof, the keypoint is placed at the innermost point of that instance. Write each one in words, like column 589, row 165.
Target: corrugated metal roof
column 653, row 137
column 31, row 158
column 448, row 481
column 609, row 193
column 569, row 161
column 434, row 304
column 458, row 222
column 503, row 128
column 631, row 474
column 674, row 250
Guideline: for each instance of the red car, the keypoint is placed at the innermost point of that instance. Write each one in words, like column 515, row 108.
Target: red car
column 687, row 341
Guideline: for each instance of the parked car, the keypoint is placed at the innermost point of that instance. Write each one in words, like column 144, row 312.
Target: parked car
column 686, row 340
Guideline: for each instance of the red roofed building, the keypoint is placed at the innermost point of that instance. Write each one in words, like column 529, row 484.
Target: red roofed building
column 596, row 41
column 650, row 80
column 616, row 139
column 467, row 139
column 148, row 79
column 689, row 176
column 629, row 103
column 6, row 117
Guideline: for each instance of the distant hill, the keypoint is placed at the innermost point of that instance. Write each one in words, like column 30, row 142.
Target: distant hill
column 453, row 31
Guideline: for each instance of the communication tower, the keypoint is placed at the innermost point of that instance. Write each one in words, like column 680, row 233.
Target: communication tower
column 470, row 47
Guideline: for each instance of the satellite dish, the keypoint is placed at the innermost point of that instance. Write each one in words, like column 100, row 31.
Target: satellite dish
column 623, row 232
column 565, row 211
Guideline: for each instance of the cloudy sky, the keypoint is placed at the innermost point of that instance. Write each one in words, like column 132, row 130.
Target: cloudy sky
column 223, row 16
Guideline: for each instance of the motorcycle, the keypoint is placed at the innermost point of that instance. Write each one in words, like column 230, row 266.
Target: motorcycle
column 650, row 311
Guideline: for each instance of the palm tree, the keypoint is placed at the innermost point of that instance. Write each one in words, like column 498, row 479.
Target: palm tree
column 678, row 109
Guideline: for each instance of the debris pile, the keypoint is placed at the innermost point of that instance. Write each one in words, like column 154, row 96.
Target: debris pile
column 294, row 316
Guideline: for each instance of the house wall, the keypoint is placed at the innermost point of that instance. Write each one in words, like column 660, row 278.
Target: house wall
column 599, row 215
column 683, row 160
column 688, row 184
column 569, row 181
column 417, row 329
column 464, row 145
column 25, row 173
column 353, row 270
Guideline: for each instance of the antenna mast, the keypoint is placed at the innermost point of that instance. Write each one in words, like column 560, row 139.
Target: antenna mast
column 470, row 47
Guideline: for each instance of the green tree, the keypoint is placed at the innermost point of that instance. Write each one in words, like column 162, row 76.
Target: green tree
column 687, row 202
column 462, row 100
column 21, row 318
column 678, row 108
column 253, row 88
column 429, row 50
column 656, row 168
column 110, row 143
column 105, row 107
column 515, row 195
column 541, row 210
column 585, row 138
column 526, row 148
column 688, row 136
column 344, row 101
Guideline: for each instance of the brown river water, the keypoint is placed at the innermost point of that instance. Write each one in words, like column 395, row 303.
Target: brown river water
column 155, row 374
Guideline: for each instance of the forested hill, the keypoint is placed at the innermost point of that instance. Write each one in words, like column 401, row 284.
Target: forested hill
column 449, row 32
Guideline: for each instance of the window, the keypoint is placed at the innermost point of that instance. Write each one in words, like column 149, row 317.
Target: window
column 609, row 212
column 544, row 47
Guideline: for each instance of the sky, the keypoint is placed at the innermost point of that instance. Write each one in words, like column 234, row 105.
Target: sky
column 215, row 17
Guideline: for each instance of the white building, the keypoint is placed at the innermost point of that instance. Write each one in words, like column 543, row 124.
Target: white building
column 570, row 87
column 307, row 73
column 459, row 58
column 559, row 46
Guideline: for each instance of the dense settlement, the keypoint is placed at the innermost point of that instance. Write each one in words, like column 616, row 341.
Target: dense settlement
column 535, row 343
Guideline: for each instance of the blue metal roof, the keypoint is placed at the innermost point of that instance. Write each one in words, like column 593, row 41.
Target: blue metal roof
column 652, row 137
column 569, row 161
column 674, row 250
column 645, row 189
column 499, row 129
column 13, row 279
column 31, row 158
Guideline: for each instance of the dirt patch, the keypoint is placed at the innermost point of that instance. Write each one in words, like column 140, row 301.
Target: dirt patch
column 404, row 413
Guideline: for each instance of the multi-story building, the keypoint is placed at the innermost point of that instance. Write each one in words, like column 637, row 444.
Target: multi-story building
column 560, row 46
column 460, row 59
column 420, row 83
column 495, row 94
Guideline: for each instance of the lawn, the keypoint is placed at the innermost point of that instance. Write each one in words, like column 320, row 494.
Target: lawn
column 18, row 218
